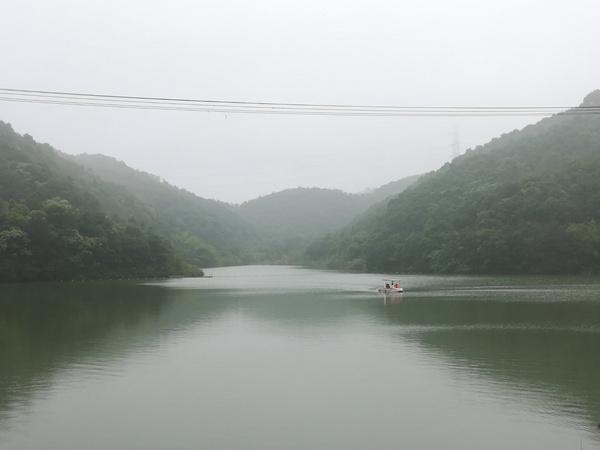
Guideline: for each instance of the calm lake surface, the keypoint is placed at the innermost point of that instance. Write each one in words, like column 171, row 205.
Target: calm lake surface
column 287, row 358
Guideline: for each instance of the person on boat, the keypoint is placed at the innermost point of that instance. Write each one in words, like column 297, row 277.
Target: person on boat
column 397, row 285
column 387, row 285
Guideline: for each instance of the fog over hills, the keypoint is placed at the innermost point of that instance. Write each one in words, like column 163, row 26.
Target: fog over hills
column 366, row 52
column 526, row 202
column 273, row 228
column 309, row 212
column 91, row 216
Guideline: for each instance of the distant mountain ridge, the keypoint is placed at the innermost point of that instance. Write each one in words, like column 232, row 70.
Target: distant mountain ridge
column 272, row 228
column 184, row 229
column 306, row 212
column 206, row 232
column 300, row 212
column 287, row 221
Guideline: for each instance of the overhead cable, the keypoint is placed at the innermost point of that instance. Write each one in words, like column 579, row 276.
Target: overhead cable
column 249, row 107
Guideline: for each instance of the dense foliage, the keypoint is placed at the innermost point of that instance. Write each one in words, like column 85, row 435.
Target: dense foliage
column 289, row 220
column 91, row 216
column 52, row 224
column 310, row 212
column 301, row 212
column 205, row 232
column 527, row 202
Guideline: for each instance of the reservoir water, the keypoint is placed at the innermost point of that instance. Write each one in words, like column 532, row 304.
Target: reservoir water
column 263, row 357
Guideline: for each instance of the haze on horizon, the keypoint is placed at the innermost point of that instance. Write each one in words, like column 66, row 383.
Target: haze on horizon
column 424, row 53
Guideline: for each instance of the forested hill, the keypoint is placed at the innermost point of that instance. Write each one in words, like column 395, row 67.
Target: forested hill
column 300, row 212
column 268, row 229
column 54, row 224
column 391, row 189
column 526, row 202
column 310, row 212
column 92, row 216
column 206, row 232
column 289, row 220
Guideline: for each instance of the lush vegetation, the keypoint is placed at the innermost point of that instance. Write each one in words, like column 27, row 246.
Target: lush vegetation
column 92, row 216
column 310, row 212
column 289, row 220
column 205, row 232
column 301, row 212
column 52, row 224
column 527, row 202
column 380, row 195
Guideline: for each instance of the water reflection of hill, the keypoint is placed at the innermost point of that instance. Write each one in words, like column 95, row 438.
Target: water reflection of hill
column 45, row 328
column 547, row 351
column 518, row 342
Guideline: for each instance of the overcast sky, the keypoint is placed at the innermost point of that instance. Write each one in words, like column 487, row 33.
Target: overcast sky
column 426, row 53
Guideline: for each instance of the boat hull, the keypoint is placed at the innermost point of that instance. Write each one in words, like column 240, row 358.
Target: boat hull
column 390, row 290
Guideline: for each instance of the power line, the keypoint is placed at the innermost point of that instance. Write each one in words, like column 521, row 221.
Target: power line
column 249, row 103
column 297, row 112
column 247, row 107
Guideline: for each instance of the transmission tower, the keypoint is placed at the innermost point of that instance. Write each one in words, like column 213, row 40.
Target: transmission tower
column 455, row 143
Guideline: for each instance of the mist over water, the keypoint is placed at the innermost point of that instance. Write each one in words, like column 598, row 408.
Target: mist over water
column 285, row 357
column 142, row 139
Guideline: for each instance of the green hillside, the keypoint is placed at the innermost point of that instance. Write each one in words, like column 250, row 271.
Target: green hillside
column 301, row 212
column 53, row 224
column 205, row 232
column 310, row 212
column 287, row 221
column 70, row 217
column 388, row 190
column 526, row 202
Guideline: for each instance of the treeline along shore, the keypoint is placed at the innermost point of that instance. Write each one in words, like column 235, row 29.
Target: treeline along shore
column 526, row 202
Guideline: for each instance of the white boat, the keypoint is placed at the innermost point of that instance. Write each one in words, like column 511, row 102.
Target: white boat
column 390, row 290
column 390, row 287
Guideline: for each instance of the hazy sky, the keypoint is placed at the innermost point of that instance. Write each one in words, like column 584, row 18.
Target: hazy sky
column 338, row 51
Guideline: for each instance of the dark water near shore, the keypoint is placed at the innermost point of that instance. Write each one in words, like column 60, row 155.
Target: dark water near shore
column 288, row 358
